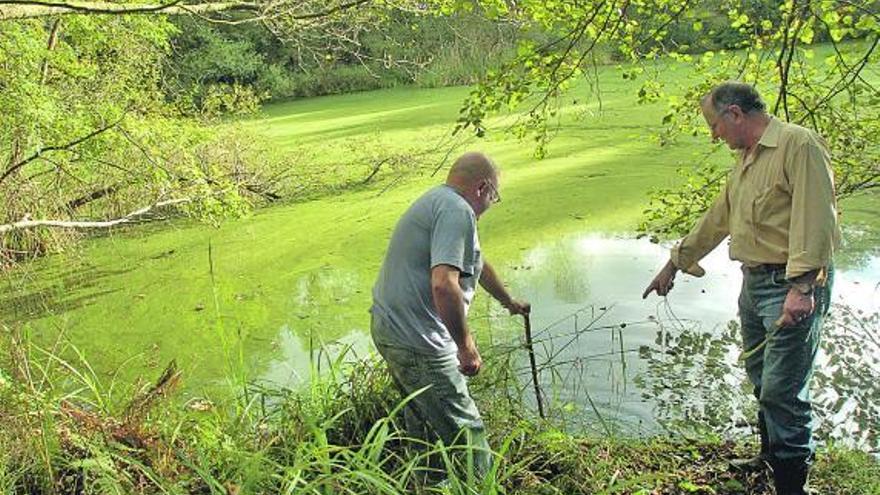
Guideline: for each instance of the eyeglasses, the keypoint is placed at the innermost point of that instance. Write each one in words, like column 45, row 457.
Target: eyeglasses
column 496, row 197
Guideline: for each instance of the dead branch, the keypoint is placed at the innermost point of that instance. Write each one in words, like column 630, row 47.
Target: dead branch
column 73, row 224
column 92, row 196
column 376, row 169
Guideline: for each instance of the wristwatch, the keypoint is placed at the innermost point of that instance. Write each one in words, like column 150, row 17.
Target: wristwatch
column 803, row 288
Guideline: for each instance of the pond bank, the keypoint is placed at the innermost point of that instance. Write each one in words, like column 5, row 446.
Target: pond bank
column 336, row 437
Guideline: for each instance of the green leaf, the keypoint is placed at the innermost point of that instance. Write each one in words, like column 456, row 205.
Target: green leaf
column 868, row 23
column 806, row 36
column 688, row 486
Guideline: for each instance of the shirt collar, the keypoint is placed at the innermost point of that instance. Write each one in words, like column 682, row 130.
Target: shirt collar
column 770, row 138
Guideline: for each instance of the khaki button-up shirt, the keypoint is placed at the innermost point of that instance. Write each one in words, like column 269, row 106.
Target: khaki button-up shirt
column 778, row 207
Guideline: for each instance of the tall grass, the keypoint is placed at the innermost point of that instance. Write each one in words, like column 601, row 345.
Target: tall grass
column 69, row 429
column 339, row 435
column 64, row 433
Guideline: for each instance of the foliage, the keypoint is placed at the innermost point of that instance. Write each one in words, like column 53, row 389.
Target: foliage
column 774, row 43
column 674, row 209
column 108, row 115
column 76, row 87
column 207, row 59
column 402, row 46
column 87, row 134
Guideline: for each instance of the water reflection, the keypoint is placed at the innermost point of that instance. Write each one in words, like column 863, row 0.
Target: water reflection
column 611, row 361
column 327, row 317
column 648, row 365
column 297, row 358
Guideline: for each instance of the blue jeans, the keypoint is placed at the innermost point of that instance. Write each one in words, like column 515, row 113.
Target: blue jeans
column 445, row 410
column 781, row 372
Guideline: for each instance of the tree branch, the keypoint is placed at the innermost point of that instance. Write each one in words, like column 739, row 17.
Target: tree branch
column 92, row 196
column 23, row 9
column 847, row 79
column 50, row 45
column 780, row 62
column 65, row 224
column 12, row 168
column 332, row 10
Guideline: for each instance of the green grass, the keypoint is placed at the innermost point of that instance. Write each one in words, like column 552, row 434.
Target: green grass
column 338, row 435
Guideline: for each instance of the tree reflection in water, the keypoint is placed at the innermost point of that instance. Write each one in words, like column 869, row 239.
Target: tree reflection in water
column 697, row 384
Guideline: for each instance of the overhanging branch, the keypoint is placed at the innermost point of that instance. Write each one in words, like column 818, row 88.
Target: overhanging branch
column 23, row 9
column 295, row 10
column 37, row 154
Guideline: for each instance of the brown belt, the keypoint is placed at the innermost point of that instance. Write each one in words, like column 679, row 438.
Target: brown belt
column 765, row 268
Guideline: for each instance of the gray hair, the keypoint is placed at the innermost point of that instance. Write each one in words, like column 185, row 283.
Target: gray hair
column 743, row 95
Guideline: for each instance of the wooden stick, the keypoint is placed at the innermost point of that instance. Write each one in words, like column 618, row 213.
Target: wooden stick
column 534, row 366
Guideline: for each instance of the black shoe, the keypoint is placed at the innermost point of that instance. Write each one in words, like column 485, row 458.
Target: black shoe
column 790, row 477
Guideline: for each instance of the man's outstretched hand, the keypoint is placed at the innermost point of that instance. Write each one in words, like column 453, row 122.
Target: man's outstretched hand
column 663, row 282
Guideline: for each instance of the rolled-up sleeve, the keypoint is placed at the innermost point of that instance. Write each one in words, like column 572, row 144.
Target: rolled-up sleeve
column 712, row 228
column 813, row 232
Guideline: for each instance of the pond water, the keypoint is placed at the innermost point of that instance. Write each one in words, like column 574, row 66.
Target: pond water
column 611, row 360
column 614, row 362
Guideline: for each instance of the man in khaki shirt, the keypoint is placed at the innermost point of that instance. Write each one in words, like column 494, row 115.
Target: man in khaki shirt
column 778, row 208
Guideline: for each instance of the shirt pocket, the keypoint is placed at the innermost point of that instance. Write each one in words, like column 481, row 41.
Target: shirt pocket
column 769, row 206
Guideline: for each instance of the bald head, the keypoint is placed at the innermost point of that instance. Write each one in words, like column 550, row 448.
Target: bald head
column 475, row 177
column 471, row 168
